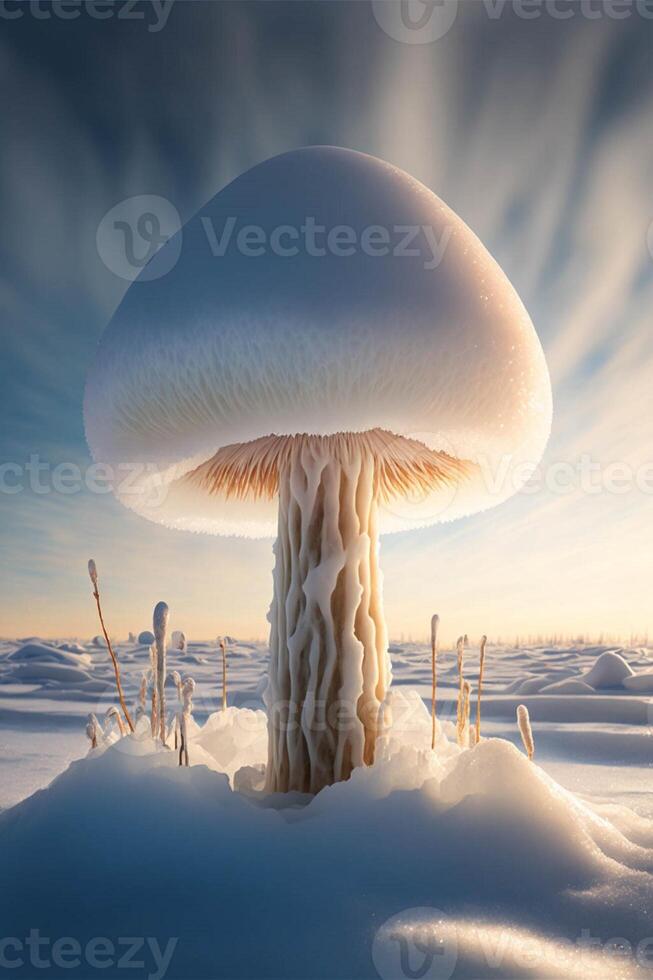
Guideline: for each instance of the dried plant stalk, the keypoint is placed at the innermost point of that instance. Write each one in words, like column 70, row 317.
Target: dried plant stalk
column 142, row 693
column 223, row 647
column 463, row 721
column 92, row 571
column 435, row 620
column 526, row 732
column 460, row 643
column 480, row 688
column 176, row 680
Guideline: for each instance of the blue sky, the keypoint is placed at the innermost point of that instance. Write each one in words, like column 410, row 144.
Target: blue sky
column 537, row 132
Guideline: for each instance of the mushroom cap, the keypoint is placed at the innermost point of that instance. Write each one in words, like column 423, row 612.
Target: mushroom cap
column 417, row 333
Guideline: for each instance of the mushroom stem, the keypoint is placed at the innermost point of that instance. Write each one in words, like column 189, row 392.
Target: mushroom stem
column 329, row 666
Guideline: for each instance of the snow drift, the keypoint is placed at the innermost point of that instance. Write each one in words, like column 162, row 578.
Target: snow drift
column 292, row 886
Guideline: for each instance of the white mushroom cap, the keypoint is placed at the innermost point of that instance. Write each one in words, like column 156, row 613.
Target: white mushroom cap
column 223, row 351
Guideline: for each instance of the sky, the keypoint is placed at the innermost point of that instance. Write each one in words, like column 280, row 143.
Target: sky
column 532, row 121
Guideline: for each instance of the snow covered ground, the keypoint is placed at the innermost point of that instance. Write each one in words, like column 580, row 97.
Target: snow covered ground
column 464, row 863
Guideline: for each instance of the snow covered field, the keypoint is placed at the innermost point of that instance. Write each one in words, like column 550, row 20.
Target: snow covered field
column 464, row 863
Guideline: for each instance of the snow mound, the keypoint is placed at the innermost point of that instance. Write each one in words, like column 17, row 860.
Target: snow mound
column 44, row 673
column 459, row 831
column 43, row 654
column 531, row 685
column 640, row 682
column 72, row 647
column 146, row 638
column 570, row 685
column 609, row 671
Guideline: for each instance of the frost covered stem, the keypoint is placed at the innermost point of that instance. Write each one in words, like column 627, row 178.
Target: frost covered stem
column 160, row 625
column 329, row 667
column 92, row 571
column 223, row 647
column 434, row 648
column 526, row 732
column 187, row 692
column 154, row 723
column 460, row 643
column 480, row 688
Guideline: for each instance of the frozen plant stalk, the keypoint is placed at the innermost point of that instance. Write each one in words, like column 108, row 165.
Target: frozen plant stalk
column 160, row 625
column 460, row 644
column 435, row 619
column 187, row 692
column 463, row 723
column 223, row 647
column 142, row 693
column 154, row 722
column 92, row 571
column 524, row 722
column 111, row 714
column 480, row 687
column 176, row 680
column 92, row 728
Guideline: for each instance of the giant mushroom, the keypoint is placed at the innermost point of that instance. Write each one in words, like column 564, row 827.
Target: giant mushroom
column 335, row 355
